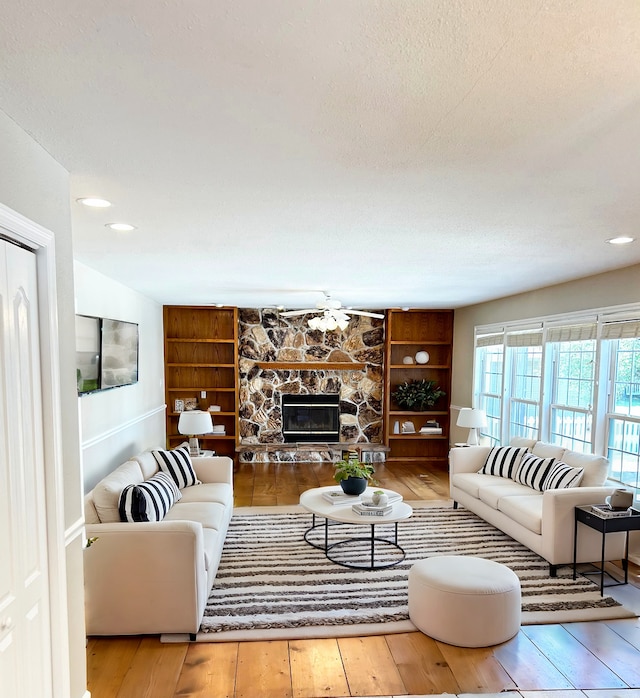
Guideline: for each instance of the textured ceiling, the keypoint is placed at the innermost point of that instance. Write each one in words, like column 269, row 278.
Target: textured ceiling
column 433, row 153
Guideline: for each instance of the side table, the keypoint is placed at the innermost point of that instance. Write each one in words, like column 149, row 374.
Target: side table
column 606, row 524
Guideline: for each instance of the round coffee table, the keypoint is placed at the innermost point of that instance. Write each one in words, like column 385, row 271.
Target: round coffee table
column 315, row 503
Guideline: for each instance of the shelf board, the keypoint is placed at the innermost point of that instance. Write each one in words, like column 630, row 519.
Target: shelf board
column 409, row 437
column 405, row 366
column 202, row 365
column 213, row 414
column 418, row 343
column 414, row 413
column 311, row 365
column 182, row 340
column 203, row 437
column 190, row 389
column 415, row 459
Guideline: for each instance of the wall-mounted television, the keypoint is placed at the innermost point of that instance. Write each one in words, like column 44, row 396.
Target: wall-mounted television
column 106, row 353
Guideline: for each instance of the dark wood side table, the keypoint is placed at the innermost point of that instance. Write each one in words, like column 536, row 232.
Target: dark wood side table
column 606, row 524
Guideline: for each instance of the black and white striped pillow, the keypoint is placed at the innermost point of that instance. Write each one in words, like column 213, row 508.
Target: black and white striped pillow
column 177, row 463
column 533, row 470
column 503, row 461
column 150, row 500
column 562, row 476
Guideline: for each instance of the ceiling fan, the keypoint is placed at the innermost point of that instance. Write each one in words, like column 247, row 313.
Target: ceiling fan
column 332, row 316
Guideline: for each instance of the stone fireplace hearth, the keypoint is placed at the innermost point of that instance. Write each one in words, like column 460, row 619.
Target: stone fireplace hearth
column 266, row 338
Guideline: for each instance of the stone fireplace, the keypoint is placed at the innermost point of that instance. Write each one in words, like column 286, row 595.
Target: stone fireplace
column 273, row 352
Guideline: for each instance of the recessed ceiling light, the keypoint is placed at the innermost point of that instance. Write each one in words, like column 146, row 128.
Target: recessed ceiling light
column 621, row 240
column 123, row 227
column 94, row 202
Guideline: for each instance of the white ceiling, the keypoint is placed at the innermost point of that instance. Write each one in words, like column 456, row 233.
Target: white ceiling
column 424, row 153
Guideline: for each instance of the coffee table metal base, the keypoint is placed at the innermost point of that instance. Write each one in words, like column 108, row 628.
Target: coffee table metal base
column 375, row 543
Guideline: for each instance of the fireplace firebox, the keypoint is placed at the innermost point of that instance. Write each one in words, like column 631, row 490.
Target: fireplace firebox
column 308, row 418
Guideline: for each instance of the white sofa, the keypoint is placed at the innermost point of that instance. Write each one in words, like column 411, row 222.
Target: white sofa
column 155, row 577
column 543, row 521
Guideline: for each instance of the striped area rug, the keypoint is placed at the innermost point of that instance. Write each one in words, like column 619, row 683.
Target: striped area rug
column 272, row 584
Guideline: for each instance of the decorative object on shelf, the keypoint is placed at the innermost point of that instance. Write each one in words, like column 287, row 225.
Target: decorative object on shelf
column 353, row 475
column 472, row 420
column 193, row 423
column 396, row 427
column 431, row 427
column 417, row 394
column 407, row 360
column 333, row 316
column 178, row 405
column 408, row 428
column 214, row 408
column 422, row 357
column 619, row 500
column 190, row 403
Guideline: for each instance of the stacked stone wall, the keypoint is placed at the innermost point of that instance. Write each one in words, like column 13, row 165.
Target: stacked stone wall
column 265, row 336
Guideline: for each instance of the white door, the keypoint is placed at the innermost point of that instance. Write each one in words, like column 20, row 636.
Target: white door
column 25, row 651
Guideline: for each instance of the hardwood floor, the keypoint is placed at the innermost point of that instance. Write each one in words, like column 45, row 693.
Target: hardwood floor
column 573, row 656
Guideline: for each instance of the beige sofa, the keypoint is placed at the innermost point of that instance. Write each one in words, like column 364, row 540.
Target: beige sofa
column 543, row 521
column 155, row 577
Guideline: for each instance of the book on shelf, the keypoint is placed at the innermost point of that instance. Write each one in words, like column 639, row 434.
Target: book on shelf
column 339, row 497
column 364, row 510
column 431, row 430
column 603, row 511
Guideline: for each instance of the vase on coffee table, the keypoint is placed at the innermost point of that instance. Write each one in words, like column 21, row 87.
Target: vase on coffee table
column 354, row 485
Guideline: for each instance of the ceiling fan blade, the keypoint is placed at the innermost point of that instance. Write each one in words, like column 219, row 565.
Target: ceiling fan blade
column 362, row 312
column 292, row 313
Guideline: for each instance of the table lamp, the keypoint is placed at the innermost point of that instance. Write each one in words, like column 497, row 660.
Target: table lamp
column 473, row 420
column 192, row 423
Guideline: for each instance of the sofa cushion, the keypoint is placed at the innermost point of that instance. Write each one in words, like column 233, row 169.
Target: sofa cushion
column 493, row 493
column 471, row 482
column 148, row 464
column 562, row 476
column 208, row 514
column 533, row 470
column 106, row 494
column 525, row 510
column 596, row 468
column 177, row 463
column 503, row 461
column 544, row 450
column 221, row 492
column 521, row 441
column 150, row 500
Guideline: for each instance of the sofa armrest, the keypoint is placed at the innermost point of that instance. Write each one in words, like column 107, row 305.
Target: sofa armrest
column 467, row 460
column 558, row 516
column 214, row 469
column 144, row 578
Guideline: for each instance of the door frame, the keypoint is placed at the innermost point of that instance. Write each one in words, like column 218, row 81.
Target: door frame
column 14, row 227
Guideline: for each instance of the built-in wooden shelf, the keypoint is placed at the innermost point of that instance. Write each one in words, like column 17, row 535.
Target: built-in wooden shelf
column 311, row 365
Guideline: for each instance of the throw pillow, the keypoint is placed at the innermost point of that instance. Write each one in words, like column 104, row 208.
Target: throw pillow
column 177, row 463
column 562, row 476
column 150, row 500
column 503, row 461
column 533, row 471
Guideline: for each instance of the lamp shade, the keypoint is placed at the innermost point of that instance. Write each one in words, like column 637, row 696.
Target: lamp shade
column 195, row 422
column 472, row 419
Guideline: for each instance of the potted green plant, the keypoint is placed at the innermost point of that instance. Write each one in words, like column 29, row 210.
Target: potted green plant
column 353, row 475
column 417, row 395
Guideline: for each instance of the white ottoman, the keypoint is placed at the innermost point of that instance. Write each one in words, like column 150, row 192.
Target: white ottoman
column 464, row 601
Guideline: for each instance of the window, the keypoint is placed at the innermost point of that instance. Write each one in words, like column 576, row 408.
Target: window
column 489, row 360
column 572, row 381
column 524, row 357
column 623, row 408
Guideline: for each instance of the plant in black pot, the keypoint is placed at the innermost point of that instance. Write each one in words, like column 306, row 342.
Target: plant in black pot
column 353, row 475
column 417, row 395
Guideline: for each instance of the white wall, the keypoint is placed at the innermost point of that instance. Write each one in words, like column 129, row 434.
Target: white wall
column 33, row 184
column 118, row 423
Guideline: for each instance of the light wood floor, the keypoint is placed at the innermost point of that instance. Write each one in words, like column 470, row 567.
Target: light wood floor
column 573, row 656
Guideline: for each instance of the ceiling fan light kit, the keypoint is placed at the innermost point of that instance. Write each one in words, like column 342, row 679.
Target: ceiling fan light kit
column 333, row 317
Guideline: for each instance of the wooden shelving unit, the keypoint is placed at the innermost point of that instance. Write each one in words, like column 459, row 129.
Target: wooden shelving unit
column 201, row 354
column 408, row 332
